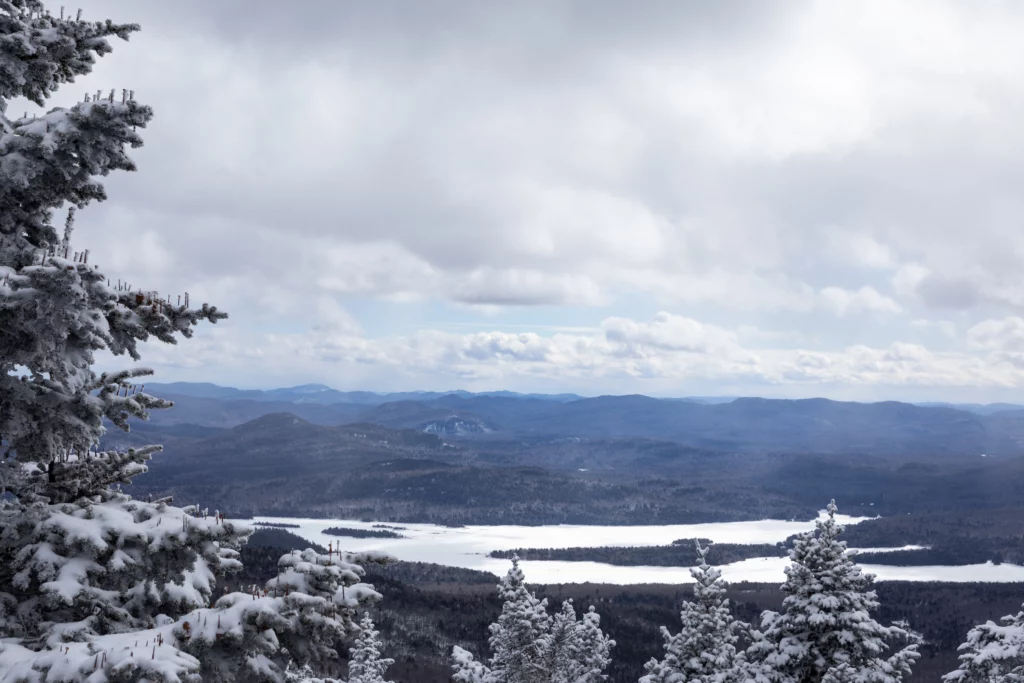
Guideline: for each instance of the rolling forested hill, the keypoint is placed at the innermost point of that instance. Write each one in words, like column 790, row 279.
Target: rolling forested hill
column 619, row 460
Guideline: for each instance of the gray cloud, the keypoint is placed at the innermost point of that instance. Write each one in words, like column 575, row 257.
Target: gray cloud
column 945, row 292
column 801, row 169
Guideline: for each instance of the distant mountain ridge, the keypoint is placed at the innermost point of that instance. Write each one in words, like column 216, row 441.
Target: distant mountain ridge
column 814, row 425
column 324, row 395
column 746, row 424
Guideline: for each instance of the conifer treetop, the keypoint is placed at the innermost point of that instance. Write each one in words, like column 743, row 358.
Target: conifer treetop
column 992, row 653
column 704, row 650
column 516, row 637
column 96, row 587
column 56, row 307
column 529, row 646
column 365, row 662
column 826, row 632
column 39, row 51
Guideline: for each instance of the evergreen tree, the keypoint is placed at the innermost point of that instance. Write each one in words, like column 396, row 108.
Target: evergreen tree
column 826, row 633
column 365, row 663
column 575, row 650
column 561, row 644
column 529, row 646
column 95, row 585
column 704, row 650
column 593, row 650
column 992, row 653
column 517, row 638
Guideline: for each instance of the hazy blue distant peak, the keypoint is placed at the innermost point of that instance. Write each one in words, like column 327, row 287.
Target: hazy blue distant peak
column 200, row 390
column 322, row 393
column 708, row 400
column 977, row 408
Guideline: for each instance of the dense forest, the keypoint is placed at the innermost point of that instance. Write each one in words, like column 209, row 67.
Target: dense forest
column 428, row 609
column 679, row 554
column 952, row 537
column 361, row 533
column 367, row 471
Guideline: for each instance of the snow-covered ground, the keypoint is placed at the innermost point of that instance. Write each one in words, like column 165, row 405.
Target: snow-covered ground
column 468, row 547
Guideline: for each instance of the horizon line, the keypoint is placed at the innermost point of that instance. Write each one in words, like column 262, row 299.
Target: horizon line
column 724, row 398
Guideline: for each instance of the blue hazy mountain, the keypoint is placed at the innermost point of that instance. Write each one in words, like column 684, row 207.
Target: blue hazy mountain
column 324, row 395
column 724, row 423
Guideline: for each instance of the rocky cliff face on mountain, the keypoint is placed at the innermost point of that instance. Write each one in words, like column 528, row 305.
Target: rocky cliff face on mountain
column 457, row 425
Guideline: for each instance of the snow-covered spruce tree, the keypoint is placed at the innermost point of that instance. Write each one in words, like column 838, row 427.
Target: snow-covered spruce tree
column 305, row 674
column 365, row 665
column 517, row 638
column 529, row 646
column 826, row 633
column 575, row 650
column 591, row 653
column 992, row 653
column 704, row 650
column 95, row 585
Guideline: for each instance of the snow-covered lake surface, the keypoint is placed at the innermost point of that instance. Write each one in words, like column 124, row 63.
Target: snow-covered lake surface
column 468, row 547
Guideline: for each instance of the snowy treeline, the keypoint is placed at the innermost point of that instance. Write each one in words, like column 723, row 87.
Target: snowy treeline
column 530, row 646
column 825, row 634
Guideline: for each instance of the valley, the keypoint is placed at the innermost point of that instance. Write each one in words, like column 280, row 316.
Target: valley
column 593, row 493
column 905, row 459
column 963, row 509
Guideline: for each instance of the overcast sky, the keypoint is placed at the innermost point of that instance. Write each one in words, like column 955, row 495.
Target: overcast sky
column 671, row 198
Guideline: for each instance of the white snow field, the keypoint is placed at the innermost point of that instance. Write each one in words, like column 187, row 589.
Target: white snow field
column 468, row 547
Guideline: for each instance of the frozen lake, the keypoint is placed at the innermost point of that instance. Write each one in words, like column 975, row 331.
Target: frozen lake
column 468, row 547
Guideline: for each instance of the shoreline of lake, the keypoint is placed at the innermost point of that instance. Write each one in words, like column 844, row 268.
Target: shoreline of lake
column 469, row 546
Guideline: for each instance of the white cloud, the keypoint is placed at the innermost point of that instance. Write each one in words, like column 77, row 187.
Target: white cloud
column 1006, row 335
column 906, row 280
column 667, row 332
column 945, row 327
column 663, row 352
column 849, row 247
column 864, row 300
column 332, row 318
column 804, row 170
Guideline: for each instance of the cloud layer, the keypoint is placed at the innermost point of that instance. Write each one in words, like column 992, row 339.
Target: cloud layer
column 800, row 198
